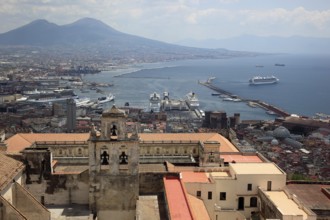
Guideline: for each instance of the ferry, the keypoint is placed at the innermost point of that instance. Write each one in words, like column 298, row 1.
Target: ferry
column 260, row 80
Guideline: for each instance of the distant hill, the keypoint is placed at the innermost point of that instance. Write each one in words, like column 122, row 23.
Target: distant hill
column 272, row 44
column 94, row 36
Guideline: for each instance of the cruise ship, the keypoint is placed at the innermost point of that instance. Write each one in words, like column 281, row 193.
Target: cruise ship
column 155, row 102
column 192, row 100
column 260, row 80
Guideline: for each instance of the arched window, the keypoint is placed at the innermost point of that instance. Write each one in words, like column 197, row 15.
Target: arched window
column 253, row 202
column 79, row 151
column 60, row 152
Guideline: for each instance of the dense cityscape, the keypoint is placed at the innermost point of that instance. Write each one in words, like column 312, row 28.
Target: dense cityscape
column 70, row 148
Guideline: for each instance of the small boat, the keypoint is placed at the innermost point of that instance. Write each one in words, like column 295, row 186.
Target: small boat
column 105, row 99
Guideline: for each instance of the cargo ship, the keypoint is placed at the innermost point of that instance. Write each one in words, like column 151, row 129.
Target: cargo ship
column 261, row 80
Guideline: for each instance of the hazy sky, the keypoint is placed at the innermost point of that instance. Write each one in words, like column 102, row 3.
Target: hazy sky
column 175, row 20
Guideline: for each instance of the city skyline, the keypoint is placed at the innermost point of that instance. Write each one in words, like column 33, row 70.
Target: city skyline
column 177, row 20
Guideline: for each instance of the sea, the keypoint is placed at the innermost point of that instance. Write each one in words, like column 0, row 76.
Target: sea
column 303, row 87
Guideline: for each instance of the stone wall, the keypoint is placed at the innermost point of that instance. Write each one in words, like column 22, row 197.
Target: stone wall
column 28, row 205
column 8, row 211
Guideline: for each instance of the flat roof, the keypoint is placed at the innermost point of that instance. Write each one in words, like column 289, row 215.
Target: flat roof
column 147, row 208
column 69, row 169
column 310, row 195
column 285, row 205
column 255, row 168
column 241, row 158
column 195, row 177
column 220, row 174
column 177, row 200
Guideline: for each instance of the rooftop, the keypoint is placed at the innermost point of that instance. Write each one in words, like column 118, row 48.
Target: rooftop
column 195, row 177
column 284, row 204
column 20, row 141
column 241, row 158
column 9, row 168
column 225, row 144
column 255, row 168
column 312, row 195
column 177, row 199
column 198, row 208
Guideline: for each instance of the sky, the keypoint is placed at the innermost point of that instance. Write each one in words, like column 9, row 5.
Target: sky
column 175, row 20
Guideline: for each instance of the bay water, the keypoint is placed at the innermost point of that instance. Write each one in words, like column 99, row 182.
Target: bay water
column 303, row 88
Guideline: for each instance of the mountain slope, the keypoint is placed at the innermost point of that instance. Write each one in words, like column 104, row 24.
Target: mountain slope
column 93, row 38
column 271, row 44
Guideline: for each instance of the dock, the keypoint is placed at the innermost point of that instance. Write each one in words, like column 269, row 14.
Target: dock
column 268, row 107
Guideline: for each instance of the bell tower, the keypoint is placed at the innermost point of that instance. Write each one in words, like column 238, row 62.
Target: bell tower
column 113, row 168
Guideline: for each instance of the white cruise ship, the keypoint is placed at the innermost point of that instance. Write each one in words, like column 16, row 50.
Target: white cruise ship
column 260, row 80
column 155, row 102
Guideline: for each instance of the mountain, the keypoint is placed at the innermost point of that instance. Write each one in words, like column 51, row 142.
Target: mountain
column 44, row 33
column 271, row 44
column 89, row 38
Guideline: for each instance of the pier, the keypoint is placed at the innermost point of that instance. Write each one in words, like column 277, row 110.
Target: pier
column 268, row 107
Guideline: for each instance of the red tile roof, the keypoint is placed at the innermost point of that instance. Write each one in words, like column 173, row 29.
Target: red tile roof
column 9, row 168
column 225, row 144
column 177, row 200
column 20, row 141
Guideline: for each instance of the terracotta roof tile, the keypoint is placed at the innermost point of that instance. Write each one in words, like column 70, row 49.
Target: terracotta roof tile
column 225, row 144
column 20, row 141
column 198, row 208
column 9, row 168
column 177, row 199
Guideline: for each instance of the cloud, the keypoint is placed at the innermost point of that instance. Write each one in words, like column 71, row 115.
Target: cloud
column 173, row 20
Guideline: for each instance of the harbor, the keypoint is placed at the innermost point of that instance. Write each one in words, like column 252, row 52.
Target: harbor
column 270, row 109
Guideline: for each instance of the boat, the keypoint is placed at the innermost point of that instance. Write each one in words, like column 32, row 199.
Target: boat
column 192, row 100
column 154, row 102
column 82, row 102
column 232, row 99
column 279, row 64
column 22, row 99
column 105, row 99
column 260, row 80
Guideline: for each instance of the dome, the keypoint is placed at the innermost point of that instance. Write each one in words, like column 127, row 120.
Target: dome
column 274, row 142
column 281, row 133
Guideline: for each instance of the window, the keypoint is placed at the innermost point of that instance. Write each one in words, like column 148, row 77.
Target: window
column 199, row 193
column 249, row 187
column 222, row 196
column 269, row 185
column 79, row 151
column 253, row 202
column 209, row 195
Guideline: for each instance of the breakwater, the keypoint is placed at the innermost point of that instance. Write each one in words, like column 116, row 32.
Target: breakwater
column 271, row 109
